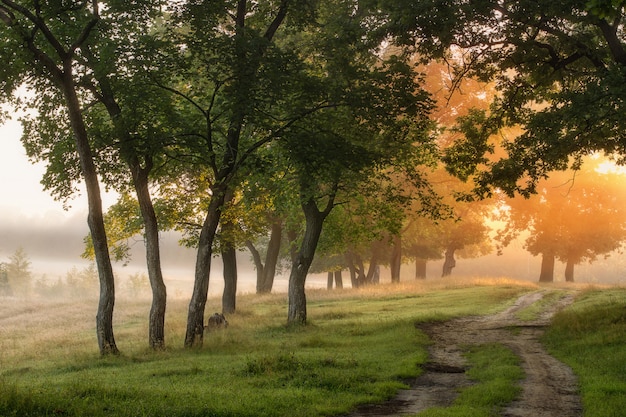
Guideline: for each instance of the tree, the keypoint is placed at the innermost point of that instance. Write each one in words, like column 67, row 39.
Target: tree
column 374, row 125
column 560, row 72
column 576, row 217
column 43, row 43
column 5, row 287
column 244, row 72
column 19, row 273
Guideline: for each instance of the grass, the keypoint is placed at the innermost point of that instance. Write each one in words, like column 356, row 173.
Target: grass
column 357, row 348
column 496, row 371
column 534, row 311
column 590, row 337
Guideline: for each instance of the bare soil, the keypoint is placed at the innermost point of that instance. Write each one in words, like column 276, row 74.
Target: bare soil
column 548, row 389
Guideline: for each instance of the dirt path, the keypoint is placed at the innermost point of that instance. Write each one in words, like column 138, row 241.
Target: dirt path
column 549, row 388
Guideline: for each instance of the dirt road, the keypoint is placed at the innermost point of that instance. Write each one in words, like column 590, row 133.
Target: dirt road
column 549, row 388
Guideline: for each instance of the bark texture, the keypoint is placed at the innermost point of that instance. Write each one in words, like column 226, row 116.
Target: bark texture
column 156, row 325
column 195, row 315
column 297, row 313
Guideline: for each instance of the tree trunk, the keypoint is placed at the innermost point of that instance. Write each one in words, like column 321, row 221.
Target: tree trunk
column 329, row 280
column 373, row 271
column 338, row 280
column 229, row 260
column 547, row 268
column 449, row 262
column 271, row 257
column 352, row 269
column 300, row 268
column 265, row 274
column 140, row 176
column 229, row 296
column 95, row 219
column 569, row 271
column 156, row 325
column 258, row 265
column 420, row 268
column 396, row 259
column 195, row 316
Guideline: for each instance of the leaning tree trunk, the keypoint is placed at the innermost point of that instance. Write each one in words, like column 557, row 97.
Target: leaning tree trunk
column 195, row 316
column 271, row 257
column 396, row 259
column 338, row 280
column 297, row 298
column 352, row 270
column 95, row 219
column 156, row 326
column 449, row 263
column 258, row 265
column 547, row 268
column 420, row 268
column 569, row 271
column 265, row 273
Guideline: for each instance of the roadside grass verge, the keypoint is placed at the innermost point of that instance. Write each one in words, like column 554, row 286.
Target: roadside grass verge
column 590, row 337
column 357, row 348
column 496, row 371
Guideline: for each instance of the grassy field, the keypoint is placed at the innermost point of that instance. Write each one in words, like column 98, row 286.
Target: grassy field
column 357, row 349
column 590, row 337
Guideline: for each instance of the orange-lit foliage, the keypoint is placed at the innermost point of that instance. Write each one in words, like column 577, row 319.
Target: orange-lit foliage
column 575, row 217
column 465, row 231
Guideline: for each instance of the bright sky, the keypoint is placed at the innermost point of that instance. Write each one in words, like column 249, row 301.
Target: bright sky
column 20, row 188
column 20, row 182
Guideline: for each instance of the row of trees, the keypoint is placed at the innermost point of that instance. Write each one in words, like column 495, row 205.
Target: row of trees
column 206, row 99
column 227, row 119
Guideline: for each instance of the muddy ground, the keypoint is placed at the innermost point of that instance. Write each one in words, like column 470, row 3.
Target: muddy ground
column 548, row 389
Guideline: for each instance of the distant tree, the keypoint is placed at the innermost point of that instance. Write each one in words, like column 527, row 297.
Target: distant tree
column 5, row 287
column 19, row 273
column 137, row 285
column 50, row 289
column 82, row 282
column 576, row 216
column 421, row 242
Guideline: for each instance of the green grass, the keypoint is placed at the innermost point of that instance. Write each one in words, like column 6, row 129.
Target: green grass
column 590, row 337
column 533, row 311
column 357, row 349
column 496, row 371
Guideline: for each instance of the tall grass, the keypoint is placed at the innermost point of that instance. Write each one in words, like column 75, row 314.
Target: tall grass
column 357, row 348
column 590, row 337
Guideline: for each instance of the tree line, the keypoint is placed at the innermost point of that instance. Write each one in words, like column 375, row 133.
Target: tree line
column 230, row 119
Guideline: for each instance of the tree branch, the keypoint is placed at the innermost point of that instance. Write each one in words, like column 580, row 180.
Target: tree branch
column 610, row 35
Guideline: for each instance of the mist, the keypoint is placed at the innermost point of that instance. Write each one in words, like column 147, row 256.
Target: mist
column 54, row 245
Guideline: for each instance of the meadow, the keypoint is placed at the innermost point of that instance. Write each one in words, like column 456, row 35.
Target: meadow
column 360, row 347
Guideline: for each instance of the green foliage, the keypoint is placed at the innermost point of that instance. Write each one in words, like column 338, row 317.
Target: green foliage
column 589, row 336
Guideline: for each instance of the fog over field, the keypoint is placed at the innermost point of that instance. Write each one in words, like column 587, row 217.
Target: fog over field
column 54, row 245
column 52, row 237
